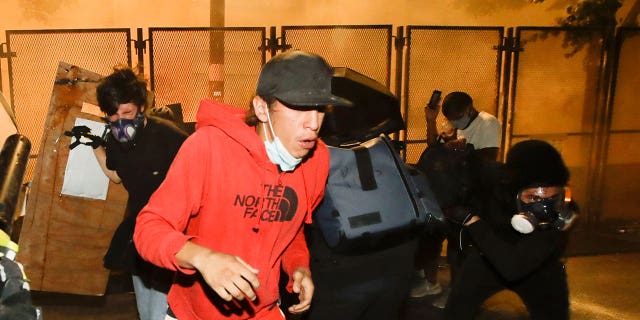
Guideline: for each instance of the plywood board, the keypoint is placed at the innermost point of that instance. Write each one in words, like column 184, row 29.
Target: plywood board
column 63, row 238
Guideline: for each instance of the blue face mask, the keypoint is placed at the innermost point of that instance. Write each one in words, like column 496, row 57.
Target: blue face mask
column 277, row 152
column 124, row 130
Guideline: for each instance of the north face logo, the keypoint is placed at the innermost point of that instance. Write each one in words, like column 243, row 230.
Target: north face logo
column 278, row 203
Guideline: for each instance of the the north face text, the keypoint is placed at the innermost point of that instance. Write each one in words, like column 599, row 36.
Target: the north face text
column 277, row 203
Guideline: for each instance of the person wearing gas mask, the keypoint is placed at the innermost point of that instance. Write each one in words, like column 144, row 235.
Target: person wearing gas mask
column 514, row 235
column 137, row 153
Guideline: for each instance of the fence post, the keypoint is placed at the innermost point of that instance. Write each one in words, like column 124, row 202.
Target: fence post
column 141, row 47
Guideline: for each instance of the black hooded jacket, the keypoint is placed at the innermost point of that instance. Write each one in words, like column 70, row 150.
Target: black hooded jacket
column 514, row 255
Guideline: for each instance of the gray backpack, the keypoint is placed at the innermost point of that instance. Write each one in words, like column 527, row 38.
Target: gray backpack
column 372, row 196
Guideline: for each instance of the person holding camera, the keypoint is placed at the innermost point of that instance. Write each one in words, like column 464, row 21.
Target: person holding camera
column 514, row 234
column 137, row 153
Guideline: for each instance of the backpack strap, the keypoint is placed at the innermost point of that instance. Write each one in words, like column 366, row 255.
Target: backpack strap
column 365, row 168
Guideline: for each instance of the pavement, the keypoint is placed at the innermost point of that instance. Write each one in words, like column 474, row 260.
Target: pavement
column 601, row 287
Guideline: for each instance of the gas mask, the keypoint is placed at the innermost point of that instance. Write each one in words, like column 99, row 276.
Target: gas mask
column 277, row 152
column 125, row 130
column 552, row 213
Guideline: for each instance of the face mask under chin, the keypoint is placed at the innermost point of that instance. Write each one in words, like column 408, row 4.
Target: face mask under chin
column 277, row 152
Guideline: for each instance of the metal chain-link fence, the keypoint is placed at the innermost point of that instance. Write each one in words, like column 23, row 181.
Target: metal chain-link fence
column 189, row 64
column 365, row 49
column 32, row 69
column 448, row 59
column 556, row 97
column 551, row 94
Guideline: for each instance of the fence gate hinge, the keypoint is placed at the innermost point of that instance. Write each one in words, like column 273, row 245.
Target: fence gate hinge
column 509, row 44
column 4, row 53
column 399, row 41
column 139, row 44
column 274, row 45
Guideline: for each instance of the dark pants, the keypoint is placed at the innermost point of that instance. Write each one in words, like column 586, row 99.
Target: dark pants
column 430, row 248
column 378, row 299
column 544, row 292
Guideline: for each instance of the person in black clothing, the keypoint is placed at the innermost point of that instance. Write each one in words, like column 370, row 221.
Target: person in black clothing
column 514, row 235
column 474, row 134
column 137, row 153
column 367, row 285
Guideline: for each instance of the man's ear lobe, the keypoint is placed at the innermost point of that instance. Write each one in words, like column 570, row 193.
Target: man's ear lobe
column 260, row 108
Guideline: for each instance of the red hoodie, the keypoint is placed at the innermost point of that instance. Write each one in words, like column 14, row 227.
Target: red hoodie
column 223, row 192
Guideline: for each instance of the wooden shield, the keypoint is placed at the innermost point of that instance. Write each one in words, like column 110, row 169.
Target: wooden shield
column 64, row 238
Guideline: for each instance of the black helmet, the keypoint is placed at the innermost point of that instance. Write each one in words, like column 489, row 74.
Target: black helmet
column 536, row 163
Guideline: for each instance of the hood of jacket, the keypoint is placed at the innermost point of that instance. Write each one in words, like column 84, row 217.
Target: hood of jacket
column 230, row 120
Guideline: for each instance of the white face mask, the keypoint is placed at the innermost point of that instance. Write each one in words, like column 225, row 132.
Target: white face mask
column 461, row 123
column 277, row 152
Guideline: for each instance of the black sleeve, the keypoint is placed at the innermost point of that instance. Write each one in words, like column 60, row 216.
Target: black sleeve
column 174, row 137
column 513, row 260
column 111, row 152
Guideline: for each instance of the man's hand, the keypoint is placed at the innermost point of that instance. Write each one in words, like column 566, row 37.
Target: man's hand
column 229, row 276
column 303, row 286
column 456, row 145
column 431, row 114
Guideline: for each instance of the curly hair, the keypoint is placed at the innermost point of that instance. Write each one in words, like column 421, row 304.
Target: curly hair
column 122, row 86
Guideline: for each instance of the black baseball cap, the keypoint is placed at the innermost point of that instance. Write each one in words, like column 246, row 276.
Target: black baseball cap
column 300, row 80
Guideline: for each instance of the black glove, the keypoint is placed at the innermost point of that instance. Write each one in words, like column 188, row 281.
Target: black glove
column 457, row 214
column 95, row 141
column 84, row 131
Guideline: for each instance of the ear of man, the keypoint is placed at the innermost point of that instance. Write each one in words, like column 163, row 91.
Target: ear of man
column 260, row 108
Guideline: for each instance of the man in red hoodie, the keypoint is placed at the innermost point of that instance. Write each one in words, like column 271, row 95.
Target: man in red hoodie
column 230, row 214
